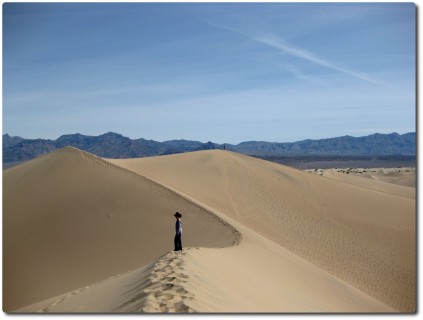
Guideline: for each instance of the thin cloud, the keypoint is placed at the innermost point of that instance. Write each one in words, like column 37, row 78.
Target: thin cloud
column 300, row 75
column 306, row 55
column 281, row 44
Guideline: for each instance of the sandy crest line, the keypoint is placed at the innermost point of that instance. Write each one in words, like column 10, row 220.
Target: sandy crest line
column 161, row 259
column 199, row 204
column 163, row 289
column 158, row 287
column 211, row 211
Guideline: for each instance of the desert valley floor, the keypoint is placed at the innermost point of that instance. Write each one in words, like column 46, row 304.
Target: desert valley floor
column 86, row 234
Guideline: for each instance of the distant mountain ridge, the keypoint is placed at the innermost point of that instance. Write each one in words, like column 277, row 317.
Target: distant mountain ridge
column 377, row 144
column 114, row 145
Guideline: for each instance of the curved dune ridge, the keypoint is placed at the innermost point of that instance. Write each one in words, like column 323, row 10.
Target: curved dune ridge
column 309, row 243
column 71, row 219
column 361, row 235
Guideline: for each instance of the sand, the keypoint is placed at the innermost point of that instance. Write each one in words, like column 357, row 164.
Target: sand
column 71, row 219
column 365, row 237
column 256, row 276
column 295, row 241
column 404, row 176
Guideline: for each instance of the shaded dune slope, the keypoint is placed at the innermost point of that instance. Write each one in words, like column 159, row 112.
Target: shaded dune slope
column 364, row 236
column 71, row 219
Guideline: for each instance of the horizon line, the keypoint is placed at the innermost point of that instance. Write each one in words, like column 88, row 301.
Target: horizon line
column 226, row 143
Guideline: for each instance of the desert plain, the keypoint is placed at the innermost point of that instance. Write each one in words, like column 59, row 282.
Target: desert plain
column 83, row 234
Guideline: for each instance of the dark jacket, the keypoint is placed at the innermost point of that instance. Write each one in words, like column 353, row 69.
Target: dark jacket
column 178, row 227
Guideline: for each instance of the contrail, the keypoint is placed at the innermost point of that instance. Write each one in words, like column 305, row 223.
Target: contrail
column 283, row 45
column 306, row 55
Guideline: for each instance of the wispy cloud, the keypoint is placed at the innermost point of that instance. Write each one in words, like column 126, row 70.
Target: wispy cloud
column 281, row 44
column 300, row 75
column 309, row 56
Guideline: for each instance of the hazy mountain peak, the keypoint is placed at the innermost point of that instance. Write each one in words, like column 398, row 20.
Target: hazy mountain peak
column 115, row 145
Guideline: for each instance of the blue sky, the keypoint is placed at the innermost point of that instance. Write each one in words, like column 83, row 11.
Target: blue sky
column 221, row 72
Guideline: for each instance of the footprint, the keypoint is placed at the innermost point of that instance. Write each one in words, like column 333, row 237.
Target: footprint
column 168, row 286
column 167, row 296
column 181, row 290
column 181, row 307
column 170, row 279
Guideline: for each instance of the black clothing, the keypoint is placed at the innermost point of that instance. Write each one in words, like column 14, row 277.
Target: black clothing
column 178, row 242
column 178, row 226
column 178, row 235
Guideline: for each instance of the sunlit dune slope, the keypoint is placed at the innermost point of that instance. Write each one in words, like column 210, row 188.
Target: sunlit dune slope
column 363, row 236
column 71, row 219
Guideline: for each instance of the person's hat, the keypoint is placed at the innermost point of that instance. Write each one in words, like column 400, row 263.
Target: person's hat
column 177, row 214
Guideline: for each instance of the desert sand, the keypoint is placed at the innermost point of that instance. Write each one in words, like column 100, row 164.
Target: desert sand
column 404, row 176
column 71, row 219
column 95, row 235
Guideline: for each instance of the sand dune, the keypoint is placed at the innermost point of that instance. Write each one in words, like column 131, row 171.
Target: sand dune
column 309, row 243
column 256, row 276
column 405, row 177
column 365, row 237
column 157, row 287
column 71, row 219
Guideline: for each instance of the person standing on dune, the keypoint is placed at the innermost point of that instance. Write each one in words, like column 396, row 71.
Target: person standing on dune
column 178, row 229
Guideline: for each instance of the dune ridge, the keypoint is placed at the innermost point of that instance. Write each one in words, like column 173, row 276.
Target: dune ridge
column 71, row 219
column 369, row 243
column 268, row 271
column 255, row 276
column 236, row 234
column 156, row 287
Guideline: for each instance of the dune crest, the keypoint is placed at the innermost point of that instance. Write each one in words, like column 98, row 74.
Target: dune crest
column 235, row 279
column 304, row 243
column 363, row 236
column 71, row 219
column 157, row 287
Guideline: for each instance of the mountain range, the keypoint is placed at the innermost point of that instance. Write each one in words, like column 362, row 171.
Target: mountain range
column 113, row 145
